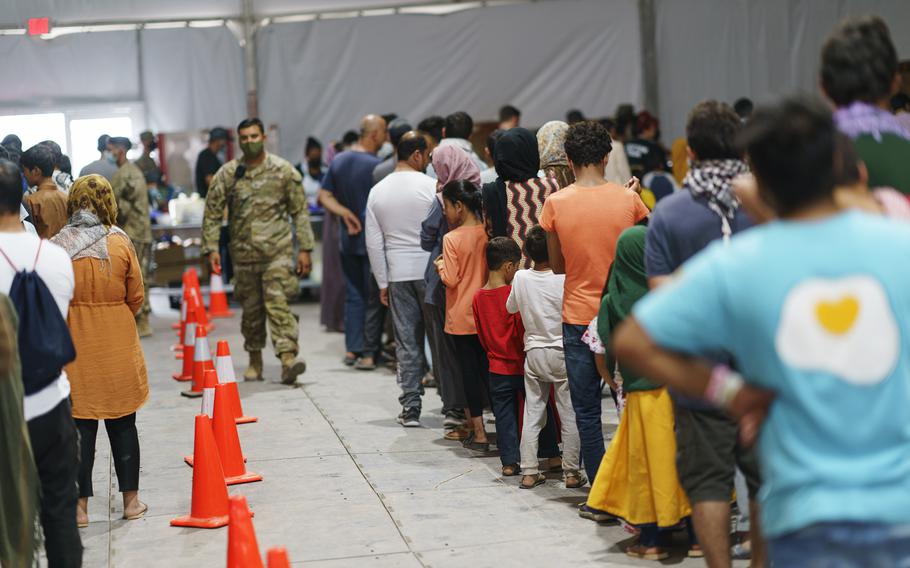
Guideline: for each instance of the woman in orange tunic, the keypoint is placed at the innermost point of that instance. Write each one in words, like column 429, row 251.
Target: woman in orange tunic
column 109, row 379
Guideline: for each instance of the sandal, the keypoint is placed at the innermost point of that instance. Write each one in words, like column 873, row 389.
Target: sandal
column 554, row 464
column 139, row 515
column 470, row 443
column 575, row 480
column 361, row 366
column 642, row 552
column 695, row 552
column 456, row 434
column 510, row 470
column 535, row 480
column 349, row 360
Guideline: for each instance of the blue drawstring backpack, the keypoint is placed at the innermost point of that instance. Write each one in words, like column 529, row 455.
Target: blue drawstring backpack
column 45, row 344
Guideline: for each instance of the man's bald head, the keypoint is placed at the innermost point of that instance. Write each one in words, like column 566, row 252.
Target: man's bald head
column 372, row 132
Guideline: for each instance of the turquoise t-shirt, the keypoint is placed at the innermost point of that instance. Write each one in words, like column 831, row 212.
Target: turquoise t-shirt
column 818, row 312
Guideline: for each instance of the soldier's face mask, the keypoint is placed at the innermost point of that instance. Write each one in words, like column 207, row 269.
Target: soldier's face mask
column 251, row 149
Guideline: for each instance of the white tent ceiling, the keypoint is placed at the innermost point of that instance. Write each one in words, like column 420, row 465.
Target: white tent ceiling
column 16, row 13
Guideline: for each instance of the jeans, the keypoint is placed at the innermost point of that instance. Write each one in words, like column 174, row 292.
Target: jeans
column 545, row 368
column 363, row 312
column 55, row 447
column 124, row 445
column 474, row 370
column 584, row 386
column 406, row 302
column 843, row 545
column 504, row 393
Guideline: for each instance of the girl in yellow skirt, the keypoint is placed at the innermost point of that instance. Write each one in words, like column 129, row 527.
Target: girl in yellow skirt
column 637, row 479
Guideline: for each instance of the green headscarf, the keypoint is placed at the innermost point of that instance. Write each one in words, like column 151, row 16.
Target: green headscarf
column 18, row 475
column 627, row 283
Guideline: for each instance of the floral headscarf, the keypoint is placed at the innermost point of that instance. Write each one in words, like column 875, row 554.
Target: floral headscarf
column 93, row 193
column 551, row 141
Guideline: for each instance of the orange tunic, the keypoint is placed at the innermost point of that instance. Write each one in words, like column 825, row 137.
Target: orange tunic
column 108, row 377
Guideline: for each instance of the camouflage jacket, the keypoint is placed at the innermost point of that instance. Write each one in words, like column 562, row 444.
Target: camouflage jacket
column 132, row 196
column 261, row 205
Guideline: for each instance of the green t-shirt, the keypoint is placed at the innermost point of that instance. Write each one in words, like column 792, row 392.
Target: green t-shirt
column 888, row 160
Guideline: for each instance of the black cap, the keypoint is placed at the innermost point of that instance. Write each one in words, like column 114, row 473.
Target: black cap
column 219, row 133
column 121, row 142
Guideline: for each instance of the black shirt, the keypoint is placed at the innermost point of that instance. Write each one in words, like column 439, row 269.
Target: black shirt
column 207, row 164
column 645, row 156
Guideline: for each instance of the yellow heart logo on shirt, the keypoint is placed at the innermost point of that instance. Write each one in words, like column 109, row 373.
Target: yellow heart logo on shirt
column 838, row 317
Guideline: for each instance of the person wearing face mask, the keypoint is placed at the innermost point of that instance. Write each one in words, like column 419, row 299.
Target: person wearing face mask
column 312, row 169
column 395, row 208
column 131, row 193
column 261, row 191
column 145, row 162
column 105, row 166
column 210, row 159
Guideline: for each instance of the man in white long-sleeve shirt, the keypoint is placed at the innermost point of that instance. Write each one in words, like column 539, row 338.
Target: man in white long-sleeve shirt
column 395, row 209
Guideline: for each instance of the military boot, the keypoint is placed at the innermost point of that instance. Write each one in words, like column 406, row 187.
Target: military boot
column 143, row 326
column 291, row 366
column 254, row 371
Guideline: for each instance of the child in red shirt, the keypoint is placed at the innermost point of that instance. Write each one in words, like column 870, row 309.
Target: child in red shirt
column 502, row 337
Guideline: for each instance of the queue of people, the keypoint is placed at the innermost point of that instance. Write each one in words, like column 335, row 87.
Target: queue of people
column 756, row 293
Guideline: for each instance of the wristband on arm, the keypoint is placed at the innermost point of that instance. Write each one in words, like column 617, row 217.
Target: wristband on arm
column 723, row 386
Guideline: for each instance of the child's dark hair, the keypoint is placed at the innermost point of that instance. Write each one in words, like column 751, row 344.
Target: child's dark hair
column 536, row 244
column 846, row 161
column 501, row 250
column 465, row 192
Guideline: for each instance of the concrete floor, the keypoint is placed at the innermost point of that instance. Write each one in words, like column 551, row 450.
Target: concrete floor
column 344, row 485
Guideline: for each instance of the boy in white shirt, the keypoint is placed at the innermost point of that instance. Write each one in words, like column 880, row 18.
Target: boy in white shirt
column 537, row 295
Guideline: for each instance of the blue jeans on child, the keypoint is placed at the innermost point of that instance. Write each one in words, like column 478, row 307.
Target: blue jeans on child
column 843, row 545
column 504, row 391
column 584, row 386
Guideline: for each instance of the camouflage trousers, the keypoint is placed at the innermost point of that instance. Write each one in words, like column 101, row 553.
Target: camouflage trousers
column 263, row 290
column 144, row 254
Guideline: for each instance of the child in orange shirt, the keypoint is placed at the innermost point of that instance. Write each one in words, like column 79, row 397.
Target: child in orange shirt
column 463, row 269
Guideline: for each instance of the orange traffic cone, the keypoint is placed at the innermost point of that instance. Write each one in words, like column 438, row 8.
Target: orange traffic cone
column 228, row 441
column 189, row 347
column 225, row 369
column 194, row 290
column 181, row 327
column 208, row 403
column 243, row 550
column 202, row 362
column 209, row 506
column 218, row 302
column 278, row 557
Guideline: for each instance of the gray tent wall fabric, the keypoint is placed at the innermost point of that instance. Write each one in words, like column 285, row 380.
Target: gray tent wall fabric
column 318, row 78
column 193, row 78
column 73, row 68
column 726, row 49
column 65, row 12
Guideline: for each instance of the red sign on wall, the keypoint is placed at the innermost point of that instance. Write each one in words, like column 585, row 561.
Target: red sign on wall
column 38, row 26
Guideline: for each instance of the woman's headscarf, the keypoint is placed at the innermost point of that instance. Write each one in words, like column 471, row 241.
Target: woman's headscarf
column 515, row 155
column 551, row 144
column 93, row 211
column 451, row 163
column 93, row 193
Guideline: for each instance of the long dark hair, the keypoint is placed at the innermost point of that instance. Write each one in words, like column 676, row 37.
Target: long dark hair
column 465, row 192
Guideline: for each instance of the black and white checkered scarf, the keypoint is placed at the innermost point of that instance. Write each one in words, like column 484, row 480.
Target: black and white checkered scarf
column 711, row 180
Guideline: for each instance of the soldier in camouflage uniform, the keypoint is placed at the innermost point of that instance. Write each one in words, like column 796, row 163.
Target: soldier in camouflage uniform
column 261, row 192
column 131, row 192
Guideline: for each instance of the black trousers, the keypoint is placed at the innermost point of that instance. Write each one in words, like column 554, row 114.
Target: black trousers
column 124, row 445
column 55, row 447
column 475, row 369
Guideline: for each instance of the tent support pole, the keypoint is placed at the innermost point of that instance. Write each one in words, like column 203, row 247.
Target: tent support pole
column 648, row 27
column 249, row 59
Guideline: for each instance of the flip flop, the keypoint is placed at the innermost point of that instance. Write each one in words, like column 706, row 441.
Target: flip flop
column 82, row 525
column 139, row 515
column 510, row 470
column 640, row 551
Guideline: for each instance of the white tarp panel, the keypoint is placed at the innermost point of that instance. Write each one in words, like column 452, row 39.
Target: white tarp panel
column 72, row 68
column 726, row 49
column 318, row 78
column 193, row 78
